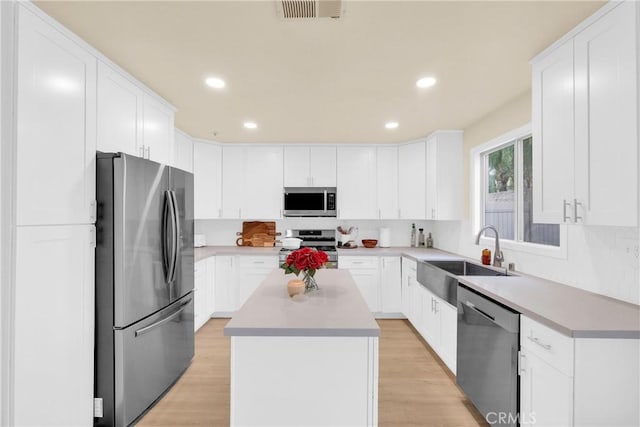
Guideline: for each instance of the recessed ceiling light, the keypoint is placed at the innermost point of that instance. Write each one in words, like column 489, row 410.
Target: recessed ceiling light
column 215, row 82
column 426, row 82
column 250, row 125
column 391, row 125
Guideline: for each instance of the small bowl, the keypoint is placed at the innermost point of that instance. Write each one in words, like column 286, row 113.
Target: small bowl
column 369, row 243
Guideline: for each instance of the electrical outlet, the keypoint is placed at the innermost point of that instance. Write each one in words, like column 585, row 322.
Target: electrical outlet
column 629, row 249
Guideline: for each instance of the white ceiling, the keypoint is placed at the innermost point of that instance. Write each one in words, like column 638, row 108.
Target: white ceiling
column 324, row 80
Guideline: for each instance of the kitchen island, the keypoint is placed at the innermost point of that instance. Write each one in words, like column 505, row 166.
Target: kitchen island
column 307, row 360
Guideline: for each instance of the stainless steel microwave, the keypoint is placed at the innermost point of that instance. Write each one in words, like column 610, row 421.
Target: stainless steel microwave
column 310, row 201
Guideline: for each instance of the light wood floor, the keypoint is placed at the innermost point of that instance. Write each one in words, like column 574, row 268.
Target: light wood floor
column 415, row 389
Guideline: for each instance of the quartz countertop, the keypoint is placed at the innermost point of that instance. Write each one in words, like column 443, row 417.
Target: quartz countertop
column 569, row 310
column 337, row 309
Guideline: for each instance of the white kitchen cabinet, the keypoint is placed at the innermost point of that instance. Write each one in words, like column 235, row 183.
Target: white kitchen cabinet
column 252, row 182
column 158, row 130
column 200, row 278
column 224, row 286
column 387, row 182
column 310, row 166
column 585, row 124
column 444, row 175
column 207, row 180
column 390, row 285
column 204, row 291
column 182, row 151
column 233, row 181
column 552, row 117
column 412, row 180
column 54, row 325
column 131, row 120
column 430, row 319
column 606, row 117
column 120, row 105
column 357, row 183
column 263, row 183
column 437, row 322
column 448, row 335
column 366, row 275
column 546, row 394
column 56, row 126
column 409, row 279
column 251, row 272
column 567, row 381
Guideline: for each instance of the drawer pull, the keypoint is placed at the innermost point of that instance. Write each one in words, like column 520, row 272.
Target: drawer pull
column 537, row 341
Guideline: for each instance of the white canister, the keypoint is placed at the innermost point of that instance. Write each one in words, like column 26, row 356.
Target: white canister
column 385, row 237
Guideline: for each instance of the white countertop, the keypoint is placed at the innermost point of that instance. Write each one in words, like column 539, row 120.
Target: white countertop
column 337, row 309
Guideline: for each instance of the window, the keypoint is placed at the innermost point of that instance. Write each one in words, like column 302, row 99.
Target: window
column 507, row 194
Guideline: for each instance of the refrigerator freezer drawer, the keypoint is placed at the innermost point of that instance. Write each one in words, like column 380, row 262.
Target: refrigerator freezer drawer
column 150, row 355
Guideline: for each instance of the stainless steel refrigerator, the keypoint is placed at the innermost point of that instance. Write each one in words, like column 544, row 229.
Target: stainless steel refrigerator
column 144, row 283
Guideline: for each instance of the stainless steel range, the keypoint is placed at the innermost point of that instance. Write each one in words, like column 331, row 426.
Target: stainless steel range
column 322, row 240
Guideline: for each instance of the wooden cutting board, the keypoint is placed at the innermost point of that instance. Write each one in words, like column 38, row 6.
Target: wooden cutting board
column 258, row 233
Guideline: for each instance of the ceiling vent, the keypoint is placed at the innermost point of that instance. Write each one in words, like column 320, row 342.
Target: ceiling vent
column 310, row 8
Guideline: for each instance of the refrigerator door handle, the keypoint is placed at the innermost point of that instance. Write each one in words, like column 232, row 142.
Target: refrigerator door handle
column 176, row 234
column 166, row 257
column 164, row 320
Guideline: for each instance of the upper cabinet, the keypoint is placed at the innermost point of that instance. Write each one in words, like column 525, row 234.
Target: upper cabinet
column 158, row 130
column 585, row 124
column 207, row 180
column 412, row 180
column 387, row 182
column 309, row 166
column 56, row 126
column 182, row 151
column 120, row 107
column 444, row 175
column 131, row 120
column 252, row 181
column 357, row 182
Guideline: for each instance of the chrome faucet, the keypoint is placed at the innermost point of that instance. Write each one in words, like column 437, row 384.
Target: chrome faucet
column 497, row 253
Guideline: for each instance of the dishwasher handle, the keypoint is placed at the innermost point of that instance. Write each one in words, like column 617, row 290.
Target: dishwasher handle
column 480, row 312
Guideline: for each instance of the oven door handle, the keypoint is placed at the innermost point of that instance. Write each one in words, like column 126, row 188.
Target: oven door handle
column 480, row 312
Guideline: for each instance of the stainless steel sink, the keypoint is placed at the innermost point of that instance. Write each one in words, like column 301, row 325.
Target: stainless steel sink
column 441, row 277
column 465, row 268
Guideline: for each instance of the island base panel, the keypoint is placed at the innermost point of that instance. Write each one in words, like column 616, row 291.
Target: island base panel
column 298, row 381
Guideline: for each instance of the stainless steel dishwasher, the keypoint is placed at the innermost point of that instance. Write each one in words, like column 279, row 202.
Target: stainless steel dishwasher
column 487, row 360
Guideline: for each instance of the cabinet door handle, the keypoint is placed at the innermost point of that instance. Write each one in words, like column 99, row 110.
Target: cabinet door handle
column 576, row 203
column 219, row 212
column 435, row 310
column 521, row 362
column 433, row 213
column 564, row 211
column 141, row 150
column 149, row 152
column 536, row 340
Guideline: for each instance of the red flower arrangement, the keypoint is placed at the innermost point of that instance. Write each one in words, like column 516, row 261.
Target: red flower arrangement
column 307, row 260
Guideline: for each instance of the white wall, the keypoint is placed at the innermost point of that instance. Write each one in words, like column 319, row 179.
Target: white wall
column 604, row 260
column 223, row 231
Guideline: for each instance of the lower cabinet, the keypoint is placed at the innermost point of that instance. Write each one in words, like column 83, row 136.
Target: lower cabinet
column 204, row 291
column 390, row 285
column 567, row 381
column 409, row 280
column 252, row 270
column 379, row 281
column 224, row 286
column 440, row 327
column 365, row 272
column 434, row 319
column 54, row 325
